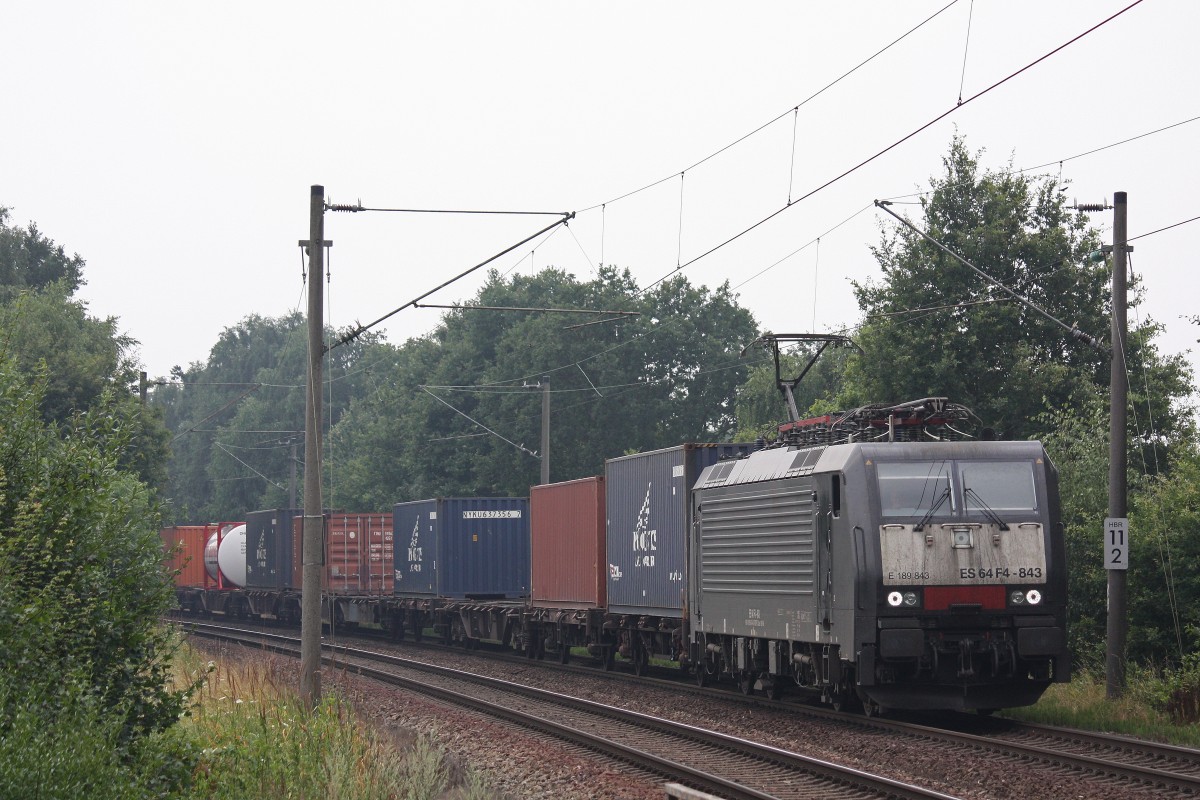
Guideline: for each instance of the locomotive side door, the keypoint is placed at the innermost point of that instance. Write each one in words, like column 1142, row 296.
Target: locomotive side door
column 823, row 533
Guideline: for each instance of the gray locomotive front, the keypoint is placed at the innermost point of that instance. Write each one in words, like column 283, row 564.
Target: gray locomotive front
column 904, row 574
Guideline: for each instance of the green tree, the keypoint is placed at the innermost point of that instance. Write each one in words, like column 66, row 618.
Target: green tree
column 1164, row 520
column 1164, row 581
column 933, row 327
column 28, row 260
column 82, row 587
column 85, row 358
column 237, row 416
column 662, row 378
column 995, row 355
column 1077, row 441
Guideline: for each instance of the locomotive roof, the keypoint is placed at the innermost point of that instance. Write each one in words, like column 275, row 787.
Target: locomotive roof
column 788, row 462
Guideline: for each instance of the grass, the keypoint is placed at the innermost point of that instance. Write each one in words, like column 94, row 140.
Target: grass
column 1157, row 705
column 256, row 740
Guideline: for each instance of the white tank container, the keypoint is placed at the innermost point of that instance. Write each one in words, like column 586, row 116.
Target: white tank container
column 229, row 558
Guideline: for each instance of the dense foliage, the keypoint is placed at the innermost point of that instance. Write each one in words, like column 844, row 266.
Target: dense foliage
column 933, row 326
column 83, row 659
column 81, row 592
column 459, row 411
column 1164, row 524
column 83, row 361
column 239, row 417
column 28, row 260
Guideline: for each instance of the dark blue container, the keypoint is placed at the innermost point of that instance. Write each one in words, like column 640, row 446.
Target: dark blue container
column 271, row 553
column 649, row 515
column 462, row 547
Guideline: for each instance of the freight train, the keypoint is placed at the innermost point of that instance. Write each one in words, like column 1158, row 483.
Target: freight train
column 873, row 559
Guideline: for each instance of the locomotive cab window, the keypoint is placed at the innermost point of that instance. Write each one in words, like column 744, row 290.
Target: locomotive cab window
column 998, row 485
column 911, row 488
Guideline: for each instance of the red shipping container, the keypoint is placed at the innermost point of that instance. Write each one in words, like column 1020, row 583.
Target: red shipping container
column 189, row 557
column 359, row 554
column 569, row 567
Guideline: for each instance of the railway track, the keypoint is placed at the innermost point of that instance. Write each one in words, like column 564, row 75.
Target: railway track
column 732, row 768
column 1120, row 761
column 1167, row 770
column 1126, row 765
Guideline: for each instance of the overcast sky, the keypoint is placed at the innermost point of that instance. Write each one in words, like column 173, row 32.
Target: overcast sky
column 173, row 145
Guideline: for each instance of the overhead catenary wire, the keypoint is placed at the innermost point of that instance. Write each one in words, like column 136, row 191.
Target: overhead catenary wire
column 895, row 144
column 679, row 259
column 897, row 199
column 1114, row 144
column 966, row 46
column 893, row 199
column 354, row 208
column 679, row 240
column 1164, row 544
column 771, row 122
column 1074, row 330
column 229, row 453
column 816, row 268
column 474, row 421
column 359, row 330
column 792, row 165
column 519, row 308
column 1160, row 230
column 225, row 407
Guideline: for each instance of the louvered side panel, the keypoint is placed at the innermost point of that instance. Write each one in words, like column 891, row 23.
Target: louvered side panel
column 758, row 540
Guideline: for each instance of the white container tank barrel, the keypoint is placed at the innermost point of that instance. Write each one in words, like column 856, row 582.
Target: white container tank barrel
column 230, row 558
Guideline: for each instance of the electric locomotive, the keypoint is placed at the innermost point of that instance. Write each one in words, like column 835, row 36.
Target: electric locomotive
column 878, row 557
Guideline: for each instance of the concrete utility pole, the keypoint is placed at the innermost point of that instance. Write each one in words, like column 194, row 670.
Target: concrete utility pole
column 314, row 522
column 1118, row 623
column 545, row 383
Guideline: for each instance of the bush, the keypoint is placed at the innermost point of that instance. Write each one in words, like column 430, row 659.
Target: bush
column 1174, row 691
column 62, row 742
column 83, row 656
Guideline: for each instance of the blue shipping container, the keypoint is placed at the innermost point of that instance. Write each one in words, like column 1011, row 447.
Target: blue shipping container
column 270, row 556
column 462, row 547
column 649, row 515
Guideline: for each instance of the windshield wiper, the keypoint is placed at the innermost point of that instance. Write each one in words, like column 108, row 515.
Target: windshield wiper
column 987, row 512
column 920, row 526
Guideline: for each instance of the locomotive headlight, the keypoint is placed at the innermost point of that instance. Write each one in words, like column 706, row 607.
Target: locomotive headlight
column 1033, row 597
column 1018, row 598
column 962, row 538
column 910, row 599
column 895, row 599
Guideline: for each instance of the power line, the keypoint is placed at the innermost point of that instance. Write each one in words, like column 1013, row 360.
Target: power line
column 1160, row 230
column 477, row 422
column 771, row 122
column 896, row 144
column 228, row 405
column 247, row 466
column 1114, row 144
column 361, row 329
column 895, row 199
column 357, row 208
column 1072, row 329
column 517, row 308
